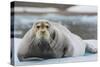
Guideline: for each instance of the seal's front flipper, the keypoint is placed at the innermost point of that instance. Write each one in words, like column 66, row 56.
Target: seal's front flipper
column 33, row 59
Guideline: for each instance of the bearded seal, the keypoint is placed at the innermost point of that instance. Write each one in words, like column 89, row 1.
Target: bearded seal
column 47, row 39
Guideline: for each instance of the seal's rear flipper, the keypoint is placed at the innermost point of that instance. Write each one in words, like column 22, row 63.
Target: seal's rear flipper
column 91, row 46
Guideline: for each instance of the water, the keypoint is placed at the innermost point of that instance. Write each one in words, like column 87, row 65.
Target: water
column 82, row 25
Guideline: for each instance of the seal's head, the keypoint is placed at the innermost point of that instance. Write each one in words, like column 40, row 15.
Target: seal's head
column 43, row 34
column 42, row 29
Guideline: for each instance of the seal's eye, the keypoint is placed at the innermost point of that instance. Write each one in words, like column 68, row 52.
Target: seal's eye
column 47, row 26
column 38, row 26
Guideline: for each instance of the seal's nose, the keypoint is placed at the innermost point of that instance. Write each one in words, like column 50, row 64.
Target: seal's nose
column 43, row 31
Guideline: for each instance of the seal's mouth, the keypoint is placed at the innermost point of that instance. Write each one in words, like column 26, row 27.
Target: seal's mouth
column 40, row 35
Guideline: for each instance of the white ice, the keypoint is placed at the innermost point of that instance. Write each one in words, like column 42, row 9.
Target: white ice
column 86, row 57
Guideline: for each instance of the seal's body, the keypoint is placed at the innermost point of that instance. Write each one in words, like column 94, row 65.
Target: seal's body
column 50, row 40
